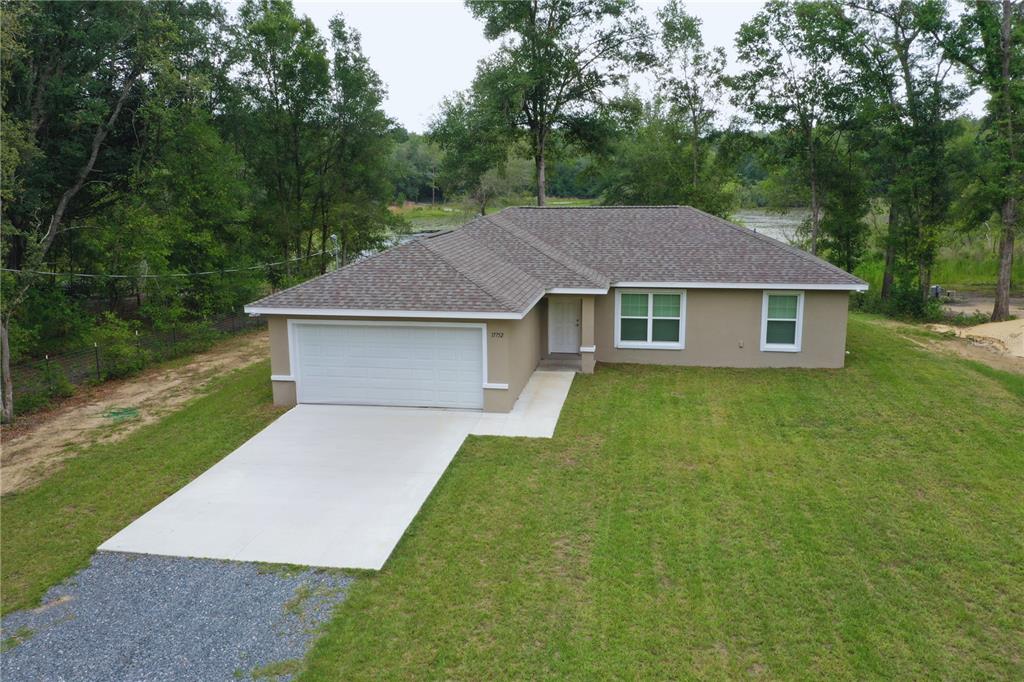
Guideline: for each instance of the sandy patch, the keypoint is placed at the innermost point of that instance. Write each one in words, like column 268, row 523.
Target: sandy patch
column 36, row 445
column 984, row 350
column 1005, row 337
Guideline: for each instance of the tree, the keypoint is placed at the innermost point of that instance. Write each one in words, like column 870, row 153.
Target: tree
column 910, row 103
column 284, row 81
column 988, row 42
column 653, row 164
column 556, row 61
column 353, row 158
column 796, row 82
column 693, row 84
column 415, row 163
column 475, row 146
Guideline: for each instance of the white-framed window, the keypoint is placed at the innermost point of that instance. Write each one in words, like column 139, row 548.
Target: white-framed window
column 782, row 321
column 650, row 318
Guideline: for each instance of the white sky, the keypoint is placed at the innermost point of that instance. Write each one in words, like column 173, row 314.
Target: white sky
column 427, row 49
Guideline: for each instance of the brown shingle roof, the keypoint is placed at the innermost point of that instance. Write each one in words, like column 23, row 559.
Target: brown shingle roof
column 505, row 262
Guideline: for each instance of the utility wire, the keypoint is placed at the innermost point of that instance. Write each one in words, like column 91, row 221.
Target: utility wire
column 173, row 274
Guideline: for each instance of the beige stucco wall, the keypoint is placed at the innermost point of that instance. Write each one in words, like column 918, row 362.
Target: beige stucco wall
column 723, row 329
column 513, row 351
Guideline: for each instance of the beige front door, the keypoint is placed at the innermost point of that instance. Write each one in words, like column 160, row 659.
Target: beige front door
column 564, row 325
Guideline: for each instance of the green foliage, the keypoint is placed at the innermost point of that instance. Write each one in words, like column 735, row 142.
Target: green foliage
column 476, row 148
column 120, row 351
column 56, row 380
column 555, row 61
column 655, row 165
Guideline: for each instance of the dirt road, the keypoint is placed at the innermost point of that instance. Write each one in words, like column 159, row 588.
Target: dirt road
column 37, row 444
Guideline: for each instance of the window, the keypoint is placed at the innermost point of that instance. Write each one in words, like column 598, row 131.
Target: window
column 782, row 317
column 649, row 319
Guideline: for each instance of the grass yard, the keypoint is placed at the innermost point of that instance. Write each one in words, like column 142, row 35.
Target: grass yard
column 854, row 524
column 51, row 530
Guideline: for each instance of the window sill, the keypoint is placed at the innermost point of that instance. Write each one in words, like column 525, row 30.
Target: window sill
column 767, row 348
column 643, row 345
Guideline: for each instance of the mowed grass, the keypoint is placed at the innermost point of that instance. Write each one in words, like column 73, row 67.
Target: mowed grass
column 51, row 530
column 851, row 524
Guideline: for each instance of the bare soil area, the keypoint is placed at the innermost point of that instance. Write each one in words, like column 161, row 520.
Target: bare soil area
column 1005, row 337
column 954, row 341
column 37, row 444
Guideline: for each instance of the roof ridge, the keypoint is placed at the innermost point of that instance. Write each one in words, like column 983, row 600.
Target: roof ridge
column 547, row 249
column 809, row 257
column 494, row 292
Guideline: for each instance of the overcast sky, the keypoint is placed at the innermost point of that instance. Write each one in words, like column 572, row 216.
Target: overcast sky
column 427, row 49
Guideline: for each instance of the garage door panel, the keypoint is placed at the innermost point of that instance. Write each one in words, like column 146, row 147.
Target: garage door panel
column 390, row 365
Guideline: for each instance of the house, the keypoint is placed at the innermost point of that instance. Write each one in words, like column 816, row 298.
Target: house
column 462, row 318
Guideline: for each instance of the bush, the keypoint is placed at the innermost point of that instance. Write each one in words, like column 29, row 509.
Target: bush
column 57, row 384
column 120, row 352
column 192, row 337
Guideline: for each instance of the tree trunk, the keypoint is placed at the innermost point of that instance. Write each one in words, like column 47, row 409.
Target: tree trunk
column 1001, row 310
column 924, row 277
column 815, row 203
column 890, row 257
column 7, row 397
column 540, row 161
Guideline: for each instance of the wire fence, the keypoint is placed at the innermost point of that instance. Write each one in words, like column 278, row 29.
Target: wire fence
column 37, row 382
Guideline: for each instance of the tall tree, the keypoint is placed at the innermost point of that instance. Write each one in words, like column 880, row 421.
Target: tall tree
column 988, row 42
column 693, row 84
column 475, row 147
column 796, row 82
column 284, row 78
column 908, row 94
column 555, row 63
column 353, row 157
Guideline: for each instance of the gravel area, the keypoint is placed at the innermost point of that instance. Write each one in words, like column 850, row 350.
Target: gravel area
column 143, row 617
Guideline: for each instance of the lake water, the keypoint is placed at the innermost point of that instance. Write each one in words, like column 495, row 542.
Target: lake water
column 781, row 226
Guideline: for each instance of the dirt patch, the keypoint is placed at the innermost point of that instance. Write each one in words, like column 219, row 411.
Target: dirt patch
column 988, row 351
column 1004, row 337
column 36, row 445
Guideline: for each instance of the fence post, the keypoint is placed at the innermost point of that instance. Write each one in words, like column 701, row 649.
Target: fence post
column 174, row 336
column 96, row 352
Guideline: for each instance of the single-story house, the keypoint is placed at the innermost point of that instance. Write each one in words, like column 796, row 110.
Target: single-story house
column 462, row 318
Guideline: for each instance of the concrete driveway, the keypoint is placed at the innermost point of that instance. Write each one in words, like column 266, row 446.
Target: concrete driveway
column 328, row 485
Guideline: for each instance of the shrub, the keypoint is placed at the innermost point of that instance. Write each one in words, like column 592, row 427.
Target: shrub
column 120, row 352
column 57, row 384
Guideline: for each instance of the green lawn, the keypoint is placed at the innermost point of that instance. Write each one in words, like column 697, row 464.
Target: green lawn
column 51, row 530
column 716, row 523
column 867, row 522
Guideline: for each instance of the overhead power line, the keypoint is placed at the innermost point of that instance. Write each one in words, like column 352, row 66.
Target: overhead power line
column 168, row 275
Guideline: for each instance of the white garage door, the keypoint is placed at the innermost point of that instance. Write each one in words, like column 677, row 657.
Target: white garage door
column 389, row 365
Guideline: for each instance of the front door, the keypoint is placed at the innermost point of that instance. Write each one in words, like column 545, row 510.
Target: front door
column 563, row 325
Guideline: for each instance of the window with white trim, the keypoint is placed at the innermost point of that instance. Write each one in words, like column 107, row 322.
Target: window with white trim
column 649, row 319
column 782, row 316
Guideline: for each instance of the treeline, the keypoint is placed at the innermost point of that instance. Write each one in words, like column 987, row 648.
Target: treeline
column 852, row 109
column 147, row 141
